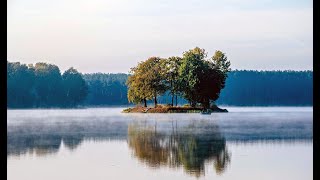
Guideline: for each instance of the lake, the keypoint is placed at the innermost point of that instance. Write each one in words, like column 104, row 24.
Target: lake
column 103, row 143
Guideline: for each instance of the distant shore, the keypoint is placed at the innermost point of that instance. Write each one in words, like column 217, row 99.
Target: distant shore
column 171, row 109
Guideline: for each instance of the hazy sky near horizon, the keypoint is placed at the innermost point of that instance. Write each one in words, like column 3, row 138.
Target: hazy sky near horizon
column 114, row 35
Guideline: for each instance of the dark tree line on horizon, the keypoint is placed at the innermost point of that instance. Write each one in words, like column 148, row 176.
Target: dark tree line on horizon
column 268, row 88
column 106, row 89
column 242, row 88
column 43, row 86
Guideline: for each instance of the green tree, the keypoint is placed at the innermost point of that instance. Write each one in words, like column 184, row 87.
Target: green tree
column 191, row 69
column 105, row 88
column 48, row 85
column 220, row 60
column 20, row 85
column 138, row 91
column 75, row 87
column 138, row 88
column 171, row 70
column 147, row 81
column 221, row 68
column 202, row 79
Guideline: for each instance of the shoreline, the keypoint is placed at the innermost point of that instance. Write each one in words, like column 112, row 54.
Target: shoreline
column 171, row 109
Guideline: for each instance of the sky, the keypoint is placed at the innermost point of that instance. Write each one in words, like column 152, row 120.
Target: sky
column 111, row 36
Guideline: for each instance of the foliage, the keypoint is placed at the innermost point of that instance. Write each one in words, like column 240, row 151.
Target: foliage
column 194, row 77
column 74, row 86
column 268, row 88
column 106, row 89
column 42, row 85
column 202, row 79
column 171, row 70
column 242, row 88
column 20, row 79
column 147, row 81
column 47, row 81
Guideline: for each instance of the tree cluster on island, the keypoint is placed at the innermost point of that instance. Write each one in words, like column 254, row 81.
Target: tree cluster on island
column 192, row 76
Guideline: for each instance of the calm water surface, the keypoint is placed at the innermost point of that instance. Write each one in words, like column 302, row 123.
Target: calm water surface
column 102, row 143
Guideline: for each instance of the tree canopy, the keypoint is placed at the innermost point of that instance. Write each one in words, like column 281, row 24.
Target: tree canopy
column 74, row 86
column 147, row 81
column 106, row 89
column 171, row 69
column 197, row 79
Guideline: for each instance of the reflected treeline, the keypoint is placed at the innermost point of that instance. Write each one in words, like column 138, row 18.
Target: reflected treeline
column 41, row 145
column 189, row 145
column 189, row 140
column 46, row 138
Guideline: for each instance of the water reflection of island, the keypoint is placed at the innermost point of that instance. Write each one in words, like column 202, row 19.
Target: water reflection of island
column 44, row 137
column 42, row 145
column 190, row 146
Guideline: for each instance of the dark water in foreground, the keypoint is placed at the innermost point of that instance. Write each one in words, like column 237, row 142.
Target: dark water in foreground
column 102, row 143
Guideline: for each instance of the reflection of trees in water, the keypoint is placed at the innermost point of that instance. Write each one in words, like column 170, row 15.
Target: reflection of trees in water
column 189, row 146
column 41, row 145
column 72, row 141
column 43, row 138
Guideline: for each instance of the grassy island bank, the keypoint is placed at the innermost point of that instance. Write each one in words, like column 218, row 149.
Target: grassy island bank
column 171, row 109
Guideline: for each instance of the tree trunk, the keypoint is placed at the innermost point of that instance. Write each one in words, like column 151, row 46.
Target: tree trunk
column 172, row 99
column 155, row 101
column 193, row 104
column 206, row 104
column 176, row 100
column 171, row 92
column 145, row 102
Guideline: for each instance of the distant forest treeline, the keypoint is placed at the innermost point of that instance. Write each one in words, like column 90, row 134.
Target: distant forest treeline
column 268, row 88
column 243, row 88
column 43, row 85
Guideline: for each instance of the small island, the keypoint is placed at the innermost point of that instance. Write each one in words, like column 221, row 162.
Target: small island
column 192, row 76
column 171, row 109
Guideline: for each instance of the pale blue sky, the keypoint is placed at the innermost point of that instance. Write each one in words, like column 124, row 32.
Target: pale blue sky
column 113, row 35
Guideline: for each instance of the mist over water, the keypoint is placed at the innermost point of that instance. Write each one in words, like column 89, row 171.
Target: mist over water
column 181, row 145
